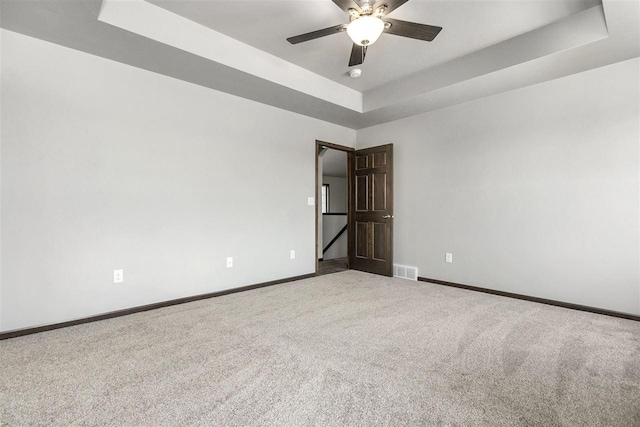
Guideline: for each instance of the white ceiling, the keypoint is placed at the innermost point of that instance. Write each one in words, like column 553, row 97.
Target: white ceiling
column 468, row 26
column 486, row 47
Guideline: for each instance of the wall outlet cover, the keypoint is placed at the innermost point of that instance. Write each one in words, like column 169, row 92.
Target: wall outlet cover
column 118, row 276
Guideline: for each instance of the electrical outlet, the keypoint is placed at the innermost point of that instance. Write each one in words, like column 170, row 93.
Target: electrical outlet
column 448, row 257
column 229, row 262
column 118, row 276
column 292, row 254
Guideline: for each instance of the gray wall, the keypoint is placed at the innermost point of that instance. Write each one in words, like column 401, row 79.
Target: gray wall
column 534, row 191
column 106, row 166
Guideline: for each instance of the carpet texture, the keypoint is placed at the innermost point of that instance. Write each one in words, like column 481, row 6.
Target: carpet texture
column 343, row 349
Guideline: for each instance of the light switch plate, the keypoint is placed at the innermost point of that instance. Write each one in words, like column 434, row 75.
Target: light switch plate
column 311, row 201
column 448, row 257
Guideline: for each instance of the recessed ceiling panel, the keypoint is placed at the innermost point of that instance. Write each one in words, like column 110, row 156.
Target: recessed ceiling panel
column 468, row 26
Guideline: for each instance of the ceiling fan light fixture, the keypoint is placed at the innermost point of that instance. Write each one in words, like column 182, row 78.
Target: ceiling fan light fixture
column 365, row 30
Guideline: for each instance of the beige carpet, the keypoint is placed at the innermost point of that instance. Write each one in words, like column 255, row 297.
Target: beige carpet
column 343, row 349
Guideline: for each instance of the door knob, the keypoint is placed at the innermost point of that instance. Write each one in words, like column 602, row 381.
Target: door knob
column 387, row 216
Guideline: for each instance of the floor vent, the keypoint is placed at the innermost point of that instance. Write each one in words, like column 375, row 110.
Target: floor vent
column 404, row 272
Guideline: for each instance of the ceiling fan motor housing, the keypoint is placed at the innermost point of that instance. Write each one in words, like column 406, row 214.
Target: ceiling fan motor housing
column 366, row 8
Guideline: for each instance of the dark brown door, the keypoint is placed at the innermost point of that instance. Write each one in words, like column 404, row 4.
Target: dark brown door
column 371, row 210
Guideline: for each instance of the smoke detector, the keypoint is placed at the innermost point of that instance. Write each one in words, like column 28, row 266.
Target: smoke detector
column 355, row 73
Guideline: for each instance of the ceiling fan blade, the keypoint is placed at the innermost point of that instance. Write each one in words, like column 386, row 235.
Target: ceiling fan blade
column 347, row 4
column 317, row 34
column 391, row 5
column 412, row 30
column 357, row 55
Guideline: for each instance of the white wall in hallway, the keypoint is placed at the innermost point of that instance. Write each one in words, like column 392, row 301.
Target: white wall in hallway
column 332, row 224
column 338, row 193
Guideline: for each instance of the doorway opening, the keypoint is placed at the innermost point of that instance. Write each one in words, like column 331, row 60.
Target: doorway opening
column 333, row 192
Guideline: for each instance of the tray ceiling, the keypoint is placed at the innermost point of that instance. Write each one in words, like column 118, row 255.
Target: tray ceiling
column 468, row 26
column 239, row 47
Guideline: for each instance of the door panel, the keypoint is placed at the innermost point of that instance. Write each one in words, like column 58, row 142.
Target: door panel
column 379, row 192
column 362, row 193
column 379, row 241
column 379, row 159
column 371, row 210
column 362, row 244
column 362, row 162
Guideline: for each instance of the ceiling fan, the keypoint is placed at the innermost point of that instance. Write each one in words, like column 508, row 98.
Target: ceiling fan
column 367, row 21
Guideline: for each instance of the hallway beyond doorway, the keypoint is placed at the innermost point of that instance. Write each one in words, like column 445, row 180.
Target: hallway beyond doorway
column 332, row 266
